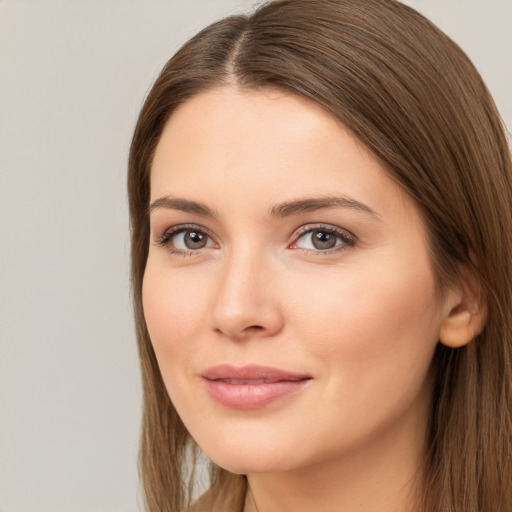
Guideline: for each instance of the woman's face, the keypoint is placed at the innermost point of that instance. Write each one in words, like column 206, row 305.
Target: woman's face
column 288, row 291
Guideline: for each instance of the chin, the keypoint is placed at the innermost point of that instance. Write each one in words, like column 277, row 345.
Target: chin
column 245, row 467
column 249, row 459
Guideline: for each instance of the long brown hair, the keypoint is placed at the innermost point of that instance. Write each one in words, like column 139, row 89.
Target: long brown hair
column 413, row 98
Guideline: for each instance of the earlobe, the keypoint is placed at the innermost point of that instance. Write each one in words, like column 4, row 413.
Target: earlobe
column 465, row 318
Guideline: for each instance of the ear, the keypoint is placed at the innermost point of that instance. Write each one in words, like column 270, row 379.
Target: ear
column 464, row 312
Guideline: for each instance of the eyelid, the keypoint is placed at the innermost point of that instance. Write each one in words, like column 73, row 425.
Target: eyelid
column 172, row 231
column 346, row 236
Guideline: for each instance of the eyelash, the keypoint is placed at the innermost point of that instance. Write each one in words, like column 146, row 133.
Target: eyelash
column 348, row 239
column 166, row 238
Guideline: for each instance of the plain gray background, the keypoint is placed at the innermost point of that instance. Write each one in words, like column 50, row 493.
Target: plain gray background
column 73, row 74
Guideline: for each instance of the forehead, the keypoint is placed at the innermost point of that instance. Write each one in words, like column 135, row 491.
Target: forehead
column 242, row 149
column 225, row 122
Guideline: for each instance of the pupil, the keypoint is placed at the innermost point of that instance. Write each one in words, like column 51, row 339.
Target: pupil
column 323, row 240
column 194, row 240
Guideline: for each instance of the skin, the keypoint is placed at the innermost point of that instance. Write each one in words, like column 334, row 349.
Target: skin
column 362, row 318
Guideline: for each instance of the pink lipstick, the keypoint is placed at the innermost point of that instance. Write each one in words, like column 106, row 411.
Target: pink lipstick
column 251, row 387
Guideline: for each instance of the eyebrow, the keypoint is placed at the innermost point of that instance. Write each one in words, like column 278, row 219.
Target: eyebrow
column 285, row 209
column 319, row 203
column 184, row 205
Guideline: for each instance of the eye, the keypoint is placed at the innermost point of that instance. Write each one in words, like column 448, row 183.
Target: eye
column 323, row 239
column 185, row 239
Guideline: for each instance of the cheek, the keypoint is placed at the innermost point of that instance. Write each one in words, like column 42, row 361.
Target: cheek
column 371, row 329
column 172, row 309
column 372, row 338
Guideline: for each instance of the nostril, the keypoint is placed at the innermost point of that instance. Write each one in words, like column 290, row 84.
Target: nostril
column 254, row 327
column 246, row 330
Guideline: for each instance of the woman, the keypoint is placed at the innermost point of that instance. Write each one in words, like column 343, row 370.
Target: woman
column 320, row 198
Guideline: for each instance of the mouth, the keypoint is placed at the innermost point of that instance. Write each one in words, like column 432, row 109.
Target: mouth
column 251, row 387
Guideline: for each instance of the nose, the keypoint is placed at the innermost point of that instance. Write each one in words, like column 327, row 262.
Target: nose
column 246, row 304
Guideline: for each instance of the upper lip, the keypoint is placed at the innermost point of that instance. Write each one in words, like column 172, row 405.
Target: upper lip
column 251, row 372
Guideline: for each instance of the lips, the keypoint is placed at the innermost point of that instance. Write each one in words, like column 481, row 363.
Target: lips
column 251, row 387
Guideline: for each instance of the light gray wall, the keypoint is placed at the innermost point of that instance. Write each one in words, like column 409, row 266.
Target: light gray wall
column 73, row 74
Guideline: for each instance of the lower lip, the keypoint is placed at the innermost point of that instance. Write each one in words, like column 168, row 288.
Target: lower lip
column 252, row 396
